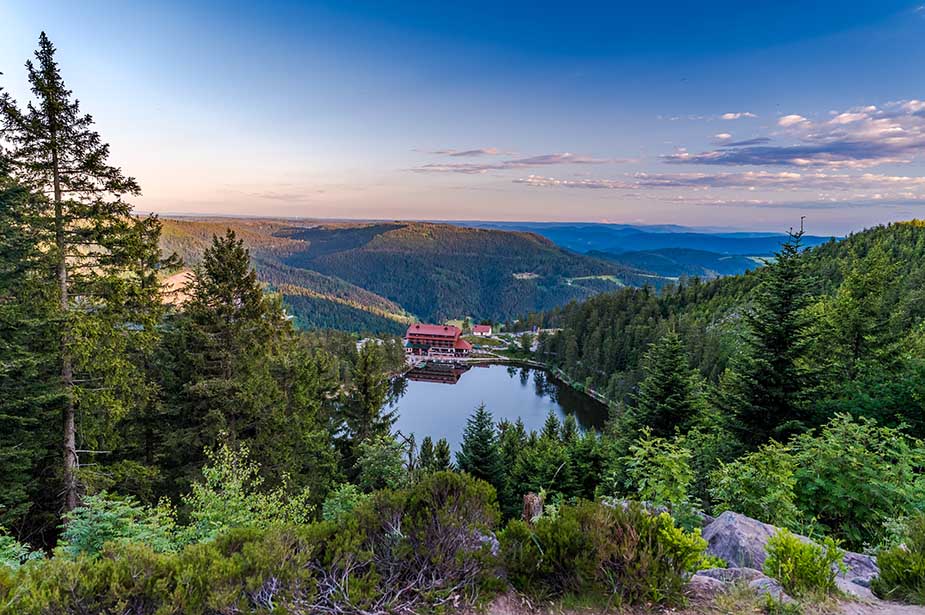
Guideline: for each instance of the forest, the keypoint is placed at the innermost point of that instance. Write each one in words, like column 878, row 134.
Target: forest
column 207, row 456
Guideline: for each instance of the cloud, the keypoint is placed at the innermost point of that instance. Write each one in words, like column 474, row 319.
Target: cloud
column 857, row 138
column 470, row 153
column 737, row 115
column 755, row 141
column 749, row 180
column 519, row 163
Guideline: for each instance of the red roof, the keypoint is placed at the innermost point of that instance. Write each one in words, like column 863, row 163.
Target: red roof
column 438, row 330
column 462, row 344
column 481, row 329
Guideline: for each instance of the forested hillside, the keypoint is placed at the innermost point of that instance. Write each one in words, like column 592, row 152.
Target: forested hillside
column 374, row 277
column 207, row 456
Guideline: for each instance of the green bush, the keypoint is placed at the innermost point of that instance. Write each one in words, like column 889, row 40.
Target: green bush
column 104, row 518
column 341, row 501
column 802, row 567
column 759, row 485
column 853, row 476
column 659, row 470
column 902, row 567
column 13, row 553
column 622, row 553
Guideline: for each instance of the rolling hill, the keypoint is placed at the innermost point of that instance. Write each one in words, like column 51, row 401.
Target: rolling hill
column 379, row 276
column 677, row 262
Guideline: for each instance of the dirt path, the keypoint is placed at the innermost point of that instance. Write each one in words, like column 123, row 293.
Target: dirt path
column 881, row 608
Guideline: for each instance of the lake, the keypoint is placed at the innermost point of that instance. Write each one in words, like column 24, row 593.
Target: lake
column 436, row 401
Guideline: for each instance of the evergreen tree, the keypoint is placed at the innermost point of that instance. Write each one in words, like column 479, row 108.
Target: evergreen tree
column 426, row 459
column 771, row 382
column 30, row 393
column 362, row 413
column 551, row 427
column 479, row 454
column 570, row 431
column 442, row 458
column 666, row 398
column 107, row 305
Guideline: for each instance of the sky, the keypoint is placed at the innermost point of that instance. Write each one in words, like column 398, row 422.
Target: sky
column 737, row 114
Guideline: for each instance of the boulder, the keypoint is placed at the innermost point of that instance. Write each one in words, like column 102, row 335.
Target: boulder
column 702, row 587
column 767, row 586
column 739, row 540
column 855, row 590
column 859, row 569
column 731, row 575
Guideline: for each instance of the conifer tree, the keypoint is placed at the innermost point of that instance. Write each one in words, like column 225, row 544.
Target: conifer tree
column 426, row 459
column 479, row 454
column 104, row 257
column 551, row 427
column 363, row 414
column 442, row 458
column 666, row 399
column 30, row 393
column 771, row 382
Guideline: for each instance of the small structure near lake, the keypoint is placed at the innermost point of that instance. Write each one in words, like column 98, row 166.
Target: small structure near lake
column 439, row 341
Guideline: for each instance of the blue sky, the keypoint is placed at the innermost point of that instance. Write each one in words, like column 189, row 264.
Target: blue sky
column 740, row 114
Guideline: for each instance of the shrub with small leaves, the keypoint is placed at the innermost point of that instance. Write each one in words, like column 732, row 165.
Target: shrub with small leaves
column 803, row 567
column 14, row 554
column 104, row 518
column 341, row 501
column 902, row 567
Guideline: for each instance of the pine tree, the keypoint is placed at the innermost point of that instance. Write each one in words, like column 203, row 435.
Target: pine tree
column 426, row 459
column 570, row 431
column 771, row 380
column 551, row 427
column 479, row 454
column 666, row 398
column 363, row 414
column 442, row 458
column 30, row 393
column 107, row 306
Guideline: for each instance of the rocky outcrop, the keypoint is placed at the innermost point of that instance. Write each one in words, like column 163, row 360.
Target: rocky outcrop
column 738, row 540
column 742, row 543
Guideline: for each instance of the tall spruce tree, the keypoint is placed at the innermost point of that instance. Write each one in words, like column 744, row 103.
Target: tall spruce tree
column 666, row 398
column 771, row 381
column 30, row 392
column 363, row 414
column 442, row 457
column 103, row 256
column 479, row 454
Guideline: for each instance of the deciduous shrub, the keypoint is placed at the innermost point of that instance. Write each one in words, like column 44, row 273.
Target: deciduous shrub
column 902, row 568
column 759, row 485
column 104, row 518
column 341, row 501
column 802, row 567
column 623, row 553
column 853, row 476
column 404, row 551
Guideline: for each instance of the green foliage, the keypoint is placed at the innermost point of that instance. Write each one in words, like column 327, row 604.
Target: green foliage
column 381, row 464
column 666, row 399
column 342, row 501
column 104, row 518
column 230, row 496
column 902, row 567
column 759, row 485
column 659, row 470
column 853, row 476
column 479, row 454
column 802, row 567
column 622, row 553
column 362, row 413
column 14, row 554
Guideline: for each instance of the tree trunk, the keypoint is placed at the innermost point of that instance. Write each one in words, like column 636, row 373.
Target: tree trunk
column 71, row 462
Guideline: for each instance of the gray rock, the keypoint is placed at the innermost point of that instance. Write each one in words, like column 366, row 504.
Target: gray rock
column 704, row 587
column 859, row 569
column 739, row 540
column 767, row 586
column 731, row 575
column 855, row 590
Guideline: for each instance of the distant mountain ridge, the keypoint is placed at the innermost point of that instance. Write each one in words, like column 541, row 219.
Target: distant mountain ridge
column 379, row 276
column 603, row 237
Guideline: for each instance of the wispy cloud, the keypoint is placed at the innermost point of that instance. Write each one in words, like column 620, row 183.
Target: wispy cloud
column 857, row 138
column 470, row 153
column 737, row 115
column 518, row 163
column 749, row 180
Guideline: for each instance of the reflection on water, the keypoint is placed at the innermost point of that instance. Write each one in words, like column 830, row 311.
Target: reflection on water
column 437, row 399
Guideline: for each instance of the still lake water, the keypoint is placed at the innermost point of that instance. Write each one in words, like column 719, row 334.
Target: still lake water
column 437, row 401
